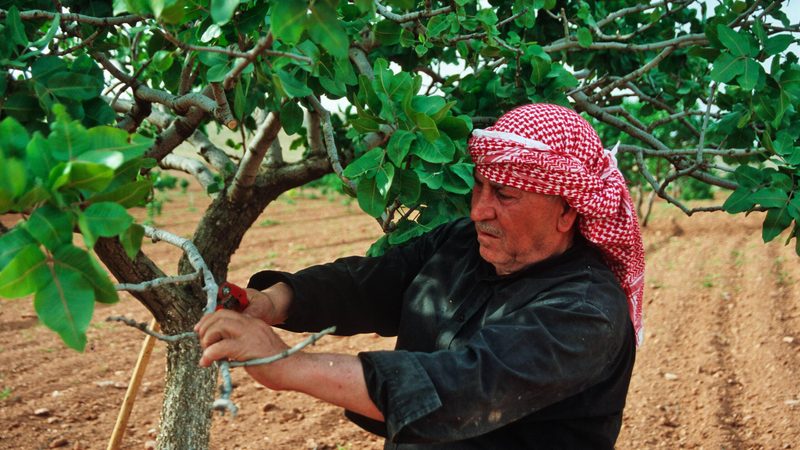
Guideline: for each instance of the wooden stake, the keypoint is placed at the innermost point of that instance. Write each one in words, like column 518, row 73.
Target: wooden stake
column 133, row 389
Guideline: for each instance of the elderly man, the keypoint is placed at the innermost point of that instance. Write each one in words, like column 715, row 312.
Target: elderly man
column 516, row 328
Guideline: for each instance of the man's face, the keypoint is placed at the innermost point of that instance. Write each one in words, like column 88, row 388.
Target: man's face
column 517, row 228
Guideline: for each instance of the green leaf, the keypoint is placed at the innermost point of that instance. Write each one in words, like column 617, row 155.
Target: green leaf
column 292, row 86
column 740, row 200
column 74, row 86
column 399, row 146
column 539, row 70
column 50, row 226
column 81, row 175
column 736, row 42
column 15, row 30
column 291, row 117
column 12, row 242
column 131, row 240
column 726, row 67
column 367, row 162
column 749, row 177
column 455, row 127
column 770, row 198
column 81, row 261
column 24, row 273
column 441, row 150
column 428, row 104
column 45, row 67
column 106, row 219
column 584, row 37
column 288, row 19
column 387, row 32
column 126, row 195
column 365, row 125
column 777, row 220
column 68, row 138
column 217, row 72
column 369, row 197
column 794, row 208
column 384, row 178
column 409, row 185
column 749, row 76
column 51, row 33
column 222, row 10
column 326, row 30
column 427, row 126
column 13, row 176
column 65, row 305
column 13, row 137
column 777, row 44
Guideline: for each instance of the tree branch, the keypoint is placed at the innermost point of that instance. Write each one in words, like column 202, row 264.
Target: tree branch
column 36, row 14
column 408, row 17
column 330, row 143
column 678, row 42
column 251, row 161
column 223, row 106
column 195, row 259
column 214, row 155
column 191, row 166
column 582, row 102
column 178, row 104
column 178, row 132
column 636, row 73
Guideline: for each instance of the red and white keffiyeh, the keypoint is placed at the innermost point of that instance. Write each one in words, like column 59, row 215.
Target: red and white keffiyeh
column 552, row 150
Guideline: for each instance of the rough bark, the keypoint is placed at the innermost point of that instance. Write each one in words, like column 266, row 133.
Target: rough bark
column 188, row 394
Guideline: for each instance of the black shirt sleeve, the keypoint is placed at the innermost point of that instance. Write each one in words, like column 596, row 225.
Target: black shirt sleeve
column 356, row 294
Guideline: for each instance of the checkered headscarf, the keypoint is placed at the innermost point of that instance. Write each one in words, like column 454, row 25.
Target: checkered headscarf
column 552, row 150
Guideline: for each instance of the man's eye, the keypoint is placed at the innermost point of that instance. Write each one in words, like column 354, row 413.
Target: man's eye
column 504, row 196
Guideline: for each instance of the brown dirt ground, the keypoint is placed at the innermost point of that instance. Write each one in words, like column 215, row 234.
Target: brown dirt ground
column 719, row 368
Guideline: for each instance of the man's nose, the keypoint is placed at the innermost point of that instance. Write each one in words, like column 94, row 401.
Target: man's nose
column 481, row 208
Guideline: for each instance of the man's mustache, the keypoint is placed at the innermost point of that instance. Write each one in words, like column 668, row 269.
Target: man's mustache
column 488, row 229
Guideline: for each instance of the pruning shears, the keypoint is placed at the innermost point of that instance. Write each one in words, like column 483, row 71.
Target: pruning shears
column 230, row 296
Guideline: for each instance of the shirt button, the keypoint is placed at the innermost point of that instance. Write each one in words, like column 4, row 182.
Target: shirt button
column 460, row 317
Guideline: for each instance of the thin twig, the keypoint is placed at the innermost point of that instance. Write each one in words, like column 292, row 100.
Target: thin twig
column 195, row 259
column 142, row 326
column 286, row 353
column 145, row 285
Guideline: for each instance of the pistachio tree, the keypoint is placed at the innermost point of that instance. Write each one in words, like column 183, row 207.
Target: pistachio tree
column 95, row 96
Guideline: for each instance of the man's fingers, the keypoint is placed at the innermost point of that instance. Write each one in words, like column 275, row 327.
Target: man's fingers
column 210, row 320
column 217, row 351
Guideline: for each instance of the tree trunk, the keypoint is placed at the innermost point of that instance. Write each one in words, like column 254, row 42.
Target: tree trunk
column 188, row 394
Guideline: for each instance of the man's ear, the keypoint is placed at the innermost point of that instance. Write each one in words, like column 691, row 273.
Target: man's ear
column 567, row 218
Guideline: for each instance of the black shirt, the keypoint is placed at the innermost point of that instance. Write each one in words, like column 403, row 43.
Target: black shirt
column 541, row 358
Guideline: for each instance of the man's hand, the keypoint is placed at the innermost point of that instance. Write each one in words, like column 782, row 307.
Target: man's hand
column 240, row 337
column 336, row 379
column 270, row 305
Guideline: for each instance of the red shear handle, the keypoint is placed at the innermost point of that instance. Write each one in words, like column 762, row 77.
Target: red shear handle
column 231, row 296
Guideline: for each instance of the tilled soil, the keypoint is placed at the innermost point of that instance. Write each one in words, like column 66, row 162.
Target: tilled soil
column 719, row 368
